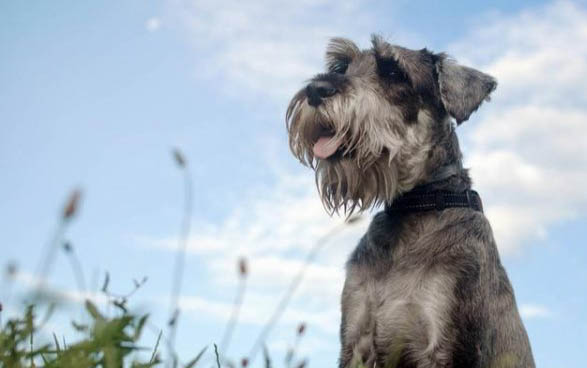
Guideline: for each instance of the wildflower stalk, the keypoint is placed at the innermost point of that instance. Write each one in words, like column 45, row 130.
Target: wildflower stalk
column 232, row 322
column 69, row 211
column 180, row 255
column 289, row 358
column 283, row 303
column 76, row 266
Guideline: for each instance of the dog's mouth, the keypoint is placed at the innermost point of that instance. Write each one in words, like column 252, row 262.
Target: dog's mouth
column 326, row 146
column 326, row 141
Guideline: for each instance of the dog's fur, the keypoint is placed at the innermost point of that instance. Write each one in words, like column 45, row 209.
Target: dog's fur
column 422, row 289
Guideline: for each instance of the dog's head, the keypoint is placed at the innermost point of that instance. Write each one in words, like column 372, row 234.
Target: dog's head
column 377, row 122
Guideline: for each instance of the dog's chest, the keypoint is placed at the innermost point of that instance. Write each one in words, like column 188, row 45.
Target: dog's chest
column 404, row 308
column 413, row 305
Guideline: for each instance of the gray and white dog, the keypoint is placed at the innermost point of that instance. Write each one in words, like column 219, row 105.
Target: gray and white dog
column 424, row 288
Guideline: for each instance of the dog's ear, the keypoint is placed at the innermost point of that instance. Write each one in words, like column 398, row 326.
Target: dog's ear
column 462, row 89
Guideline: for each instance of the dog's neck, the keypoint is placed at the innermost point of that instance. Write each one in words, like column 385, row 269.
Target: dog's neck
column 445, row 171
column 450, row 176
column 448, row 186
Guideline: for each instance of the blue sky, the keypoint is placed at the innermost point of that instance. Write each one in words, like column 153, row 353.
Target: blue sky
column 95, row 95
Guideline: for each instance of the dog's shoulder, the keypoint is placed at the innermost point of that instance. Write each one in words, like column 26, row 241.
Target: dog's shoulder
column 455, row 233
column 379, row 240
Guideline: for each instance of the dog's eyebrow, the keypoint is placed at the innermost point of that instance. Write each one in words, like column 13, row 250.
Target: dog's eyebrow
column 341, row 49
column 382, row 49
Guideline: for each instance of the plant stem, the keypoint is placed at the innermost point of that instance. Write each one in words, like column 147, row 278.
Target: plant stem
column 290, row 291
column 180, row 257
column 227, row 336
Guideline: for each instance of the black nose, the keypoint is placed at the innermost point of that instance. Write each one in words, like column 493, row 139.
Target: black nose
column 318, row 90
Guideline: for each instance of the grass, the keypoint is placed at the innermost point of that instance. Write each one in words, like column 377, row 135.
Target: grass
column 110, row 342
column 115, row 341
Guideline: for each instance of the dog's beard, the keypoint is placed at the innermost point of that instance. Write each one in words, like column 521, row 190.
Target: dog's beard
column 364, row 172
column 343, row 185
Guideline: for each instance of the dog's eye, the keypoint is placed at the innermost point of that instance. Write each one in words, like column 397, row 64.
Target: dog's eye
column 388, row 68
column 339, row 67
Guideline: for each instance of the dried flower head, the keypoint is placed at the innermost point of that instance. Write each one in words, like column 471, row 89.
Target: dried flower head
column 174, row 317
column 243, row 267
column 72, row 204
column 179, row 158
column 302, row 364
column 301, row 328
column 11, row 269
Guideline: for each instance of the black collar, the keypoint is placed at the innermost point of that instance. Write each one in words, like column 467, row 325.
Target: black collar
column 418, row 201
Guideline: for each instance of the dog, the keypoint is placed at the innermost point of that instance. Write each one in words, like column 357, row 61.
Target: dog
column 425, row 286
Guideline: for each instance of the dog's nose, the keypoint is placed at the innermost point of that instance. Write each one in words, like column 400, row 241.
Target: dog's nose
column 318, row 90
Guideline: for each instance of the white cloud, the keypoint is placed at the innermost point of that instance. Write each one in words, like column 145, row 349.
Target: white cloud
column 257, row 309
column 286, row 216
column 266, row 47
column 527, row 153
column 32, row 284
column 532, row 311
column 153, row 24
column 541, row 50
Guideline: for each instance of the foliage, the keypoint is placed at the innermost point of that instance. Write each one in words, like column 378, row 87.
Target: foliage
column 110, row 343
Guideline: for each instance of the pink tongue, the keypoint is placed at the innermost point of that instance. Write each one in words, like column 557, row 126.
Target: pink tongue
column 326, row 146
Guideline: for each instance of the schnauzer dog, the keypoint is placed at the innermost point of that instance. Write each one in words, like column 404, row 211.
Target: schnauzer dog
column 425, row 286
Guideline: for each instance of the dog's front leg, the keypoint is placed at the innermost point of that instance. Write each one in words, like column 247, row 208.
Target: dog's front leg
column 357, row 328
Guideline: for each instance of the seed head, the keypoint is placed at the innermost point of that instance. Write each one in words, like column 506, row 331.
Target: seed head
column 72, row 204
column 173, row 319
column 243, row 267
column 179, row 158
column 302, row 364
column 301, row 329
column 11, row 269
